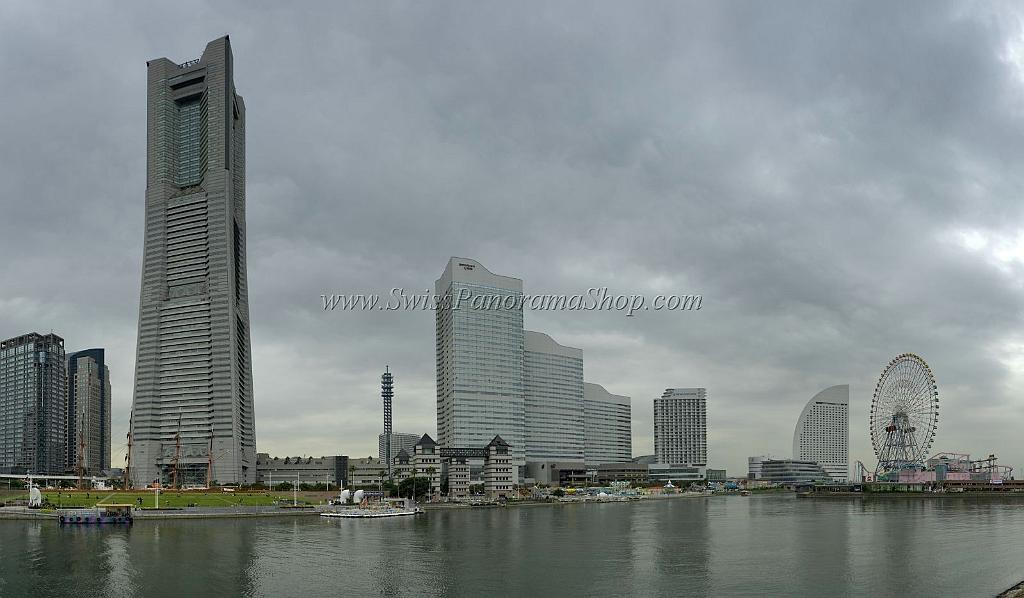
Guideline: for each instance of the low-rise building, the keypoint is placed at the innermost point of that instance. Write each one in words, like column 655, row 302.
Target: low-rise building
column 426, row 462
column 366, row 472
column 792, row 471
column 498, row 478
column 677, row 473
column 555, row 473
column 332, row 470
column 457, row 471
column 716, row 475
column 628, row 471
column 754, row 466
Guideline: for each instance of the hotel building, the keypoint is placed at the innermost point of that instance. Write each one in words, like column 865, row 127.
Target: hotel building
column 681, row 427
column 479, row 354
column 822, row 432
column 554, row 408
column 607, row 426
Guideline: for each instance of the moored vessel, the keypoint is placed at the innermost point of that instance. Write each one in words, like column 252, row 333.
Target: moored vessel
column 102, row 515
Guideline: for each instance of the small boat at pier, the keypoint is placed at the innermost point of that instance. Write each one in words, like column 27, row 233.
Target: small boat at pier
column 362, row 513
column 101, row 515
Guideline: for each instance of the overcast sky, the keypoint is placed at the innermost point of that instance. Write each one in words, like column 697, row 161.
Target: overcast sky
column 840, row 182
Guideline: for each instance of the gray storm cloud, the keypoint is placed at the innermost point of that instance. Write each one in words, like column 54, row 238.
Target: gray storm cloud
column 838, row 182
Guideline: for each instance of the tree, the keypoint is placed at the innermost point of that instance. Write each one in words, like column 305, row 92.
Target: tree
column 430, row 478
column 418, row 487
column 558, row 492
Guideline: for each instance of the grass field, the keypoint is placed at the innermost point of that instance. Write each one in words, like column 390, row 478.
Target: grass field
column 170, row 498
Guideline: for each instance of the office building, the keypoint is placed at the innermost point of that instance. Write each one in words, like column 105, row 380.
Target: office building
column 400, row 441
column 681, row 426
column 193, row 396
column 88, row 446
column 553, row 404
column 792, row 471
column 822, row 433
column 332, row 471
column 754, row 465
column 479, row 351
column 607, row 426
column 33, row 405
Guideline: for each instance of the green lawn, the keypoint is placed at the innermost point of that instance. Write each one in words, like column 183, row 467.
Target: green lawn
column 168, row 498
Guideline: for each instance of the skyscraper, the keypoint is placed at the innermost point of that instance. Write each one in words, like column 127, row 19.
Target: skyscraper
column 607, row 426
column 88, row 412
column 193, row 399
column 33, row 404
column 822, row 432
column 479, row 350
column 553, row 401
column 681, row 426
column 400, row 441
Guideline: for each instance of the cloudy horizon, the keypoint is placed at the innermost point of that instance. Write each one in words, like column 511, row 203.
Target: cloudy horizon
column 836, row 180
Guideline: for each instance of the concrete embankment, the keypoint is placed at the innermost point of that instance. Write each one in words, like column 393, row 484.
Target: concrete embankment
column 1016, row 591
column 24, row 513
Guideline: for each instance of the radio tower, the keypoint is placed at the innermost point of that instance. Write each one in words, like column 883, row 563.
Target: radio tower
column 387, row 392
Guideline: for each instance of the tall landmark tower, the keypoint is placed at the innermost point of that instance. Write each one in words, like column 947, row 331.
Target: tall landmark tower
column 193, row 402
column 387, row 393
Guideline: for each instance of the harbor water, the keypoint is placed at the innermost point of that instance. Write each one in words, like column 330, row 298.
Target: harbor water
column 774, row 545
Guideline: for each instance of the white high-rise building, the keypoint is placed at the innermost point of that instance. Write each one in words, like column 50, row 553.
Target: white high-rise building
column 479, row 350
column 553, row 400
column 607, row 426
column 823, row 431
column 681, row 426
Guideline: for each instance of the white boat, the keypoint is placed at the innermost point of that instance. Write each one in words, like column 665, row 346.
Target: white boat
column 371, row 513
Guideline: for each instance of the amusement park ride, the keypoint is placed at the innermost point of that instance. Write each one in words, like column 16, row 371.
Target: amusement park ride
column 904, row 415
column 903, row 420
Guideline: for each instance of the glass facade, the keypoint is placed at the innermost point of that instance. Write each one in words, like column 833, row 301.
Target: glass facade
column 33, row 405
column 553, row 400
column 608, row 426
column 480, row 359
column 190, row 141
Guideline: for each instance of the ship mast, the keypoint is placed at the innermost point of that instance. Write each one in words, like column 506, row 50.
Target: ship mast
column 128, row 460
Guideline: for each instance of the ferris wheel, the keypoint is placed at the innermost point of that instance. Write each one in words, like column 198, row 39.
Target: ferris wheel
column 904, row 414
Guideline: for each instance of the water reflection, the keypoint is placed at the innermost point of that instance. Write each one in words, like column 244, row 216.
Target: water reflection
column 722, row 546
